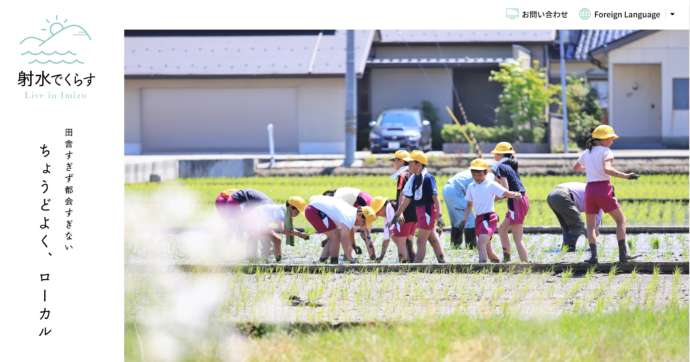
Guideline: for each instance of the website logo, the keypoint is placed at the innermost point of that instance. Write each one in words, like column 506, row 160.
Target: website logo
column 59, row 42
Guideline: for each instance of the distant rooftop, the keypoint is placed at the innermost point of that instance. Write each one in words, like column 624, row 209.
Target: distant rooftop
column 209, row 53
column 579, row 43
column 592, row 39
column 466, row 36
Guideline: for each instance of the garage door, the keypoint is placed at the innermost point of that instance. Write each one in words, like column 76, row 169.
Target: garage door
column 218, row 119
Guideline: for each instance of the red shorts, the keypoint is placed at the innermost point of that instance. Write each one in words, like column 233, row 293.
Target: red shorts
column 517, row 214
column 405, row 230
column 426, row 221
column 318, row 220
column 599, row 195
column 486, row 224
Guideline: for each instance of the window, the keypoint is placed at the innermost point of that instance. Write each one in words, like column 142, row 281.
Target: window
column 680, row 93
column 400, row 119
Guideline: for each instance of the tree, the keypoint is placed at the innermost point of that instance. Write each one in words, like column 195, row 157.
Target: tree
column 584, row 112
column 525, row 97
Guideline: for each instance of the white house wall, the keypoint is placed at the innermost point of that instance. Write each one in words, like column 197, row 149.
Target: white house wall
column 669, row 48
column 308, row 114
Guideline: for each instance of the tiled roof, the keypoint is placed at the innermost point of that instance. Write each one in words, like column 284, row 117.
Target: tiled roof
column 244, row 55
column 466, row 36
column 592, row 39
column 397, row 62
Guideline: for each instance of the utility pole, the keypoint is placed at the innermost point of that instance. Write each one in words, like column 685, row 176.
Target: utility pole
column 564, row 95
column 350, row 101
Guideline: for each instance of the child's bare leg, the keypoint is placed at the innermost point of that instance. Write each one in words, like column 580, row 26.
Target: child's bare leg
column 421, row 245
column 505, row 242
column 370, row 248
column 401, row 244
column 490, row 253
column 347, row 243
column 591, row 237
column 519, row 245
column 325, row 251
column 482, row 242
column 410, row 249
column 384, row 248
column 436, row 245
column 277, row 252
column 333, row 243
column 619, row 218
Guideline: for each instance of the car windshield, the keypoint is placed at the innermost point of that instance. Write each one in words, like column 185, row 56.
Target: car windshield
column 399, row 119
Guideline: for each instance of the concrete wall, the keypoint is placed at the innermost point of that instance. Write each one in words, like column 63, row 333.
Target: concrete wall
column 132, row 119
column 308, row 115
column 478, row 94
column 151, row 169
column 407, row 88
column 584, row 69
column 218, row 119
column 537, row 52
column 669, row 49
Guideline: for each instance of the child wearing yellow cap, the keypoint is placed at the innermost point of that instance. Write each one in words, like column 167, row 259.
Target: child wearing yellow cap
column 480, row 196
column 278, row 218
column 357, row 198
column 386, row 209
column 337, row 219
column 506, row 171
column 408, row 225
column 421, row 193
column 597, row 162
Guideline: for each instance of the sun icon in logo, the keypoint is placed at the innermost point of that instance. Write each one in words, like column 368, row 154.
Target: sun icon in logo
column 55, row 26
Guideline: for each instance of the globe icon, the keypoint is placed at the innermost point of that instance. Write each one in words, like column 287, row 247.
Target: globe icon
column 585, row 13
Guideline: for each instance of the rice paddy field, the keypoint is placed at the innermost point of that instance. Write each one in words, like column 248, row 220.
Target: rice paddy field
column 651, row 200
column 180, row 315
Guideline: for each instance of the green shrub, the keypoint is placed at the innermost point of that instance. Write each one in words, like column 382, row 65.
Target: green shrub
column 453, row 133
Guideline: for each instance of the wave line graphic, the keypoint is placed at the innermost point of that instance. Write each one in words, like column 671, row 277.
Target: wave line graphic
column 51, row 53
column 58, row 62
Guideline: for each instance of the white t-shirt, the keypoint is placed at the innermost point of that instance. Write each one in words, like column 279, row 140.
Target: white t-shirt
column 272, row 212
column 390, row 213
column 482, row 195
column 593, row 161
column 418, row 193
column 340, row 211
column 347, row 194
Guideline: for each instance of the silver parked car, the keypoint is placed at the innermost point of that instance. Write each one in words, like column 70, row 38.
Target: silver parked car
column 400, row 128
